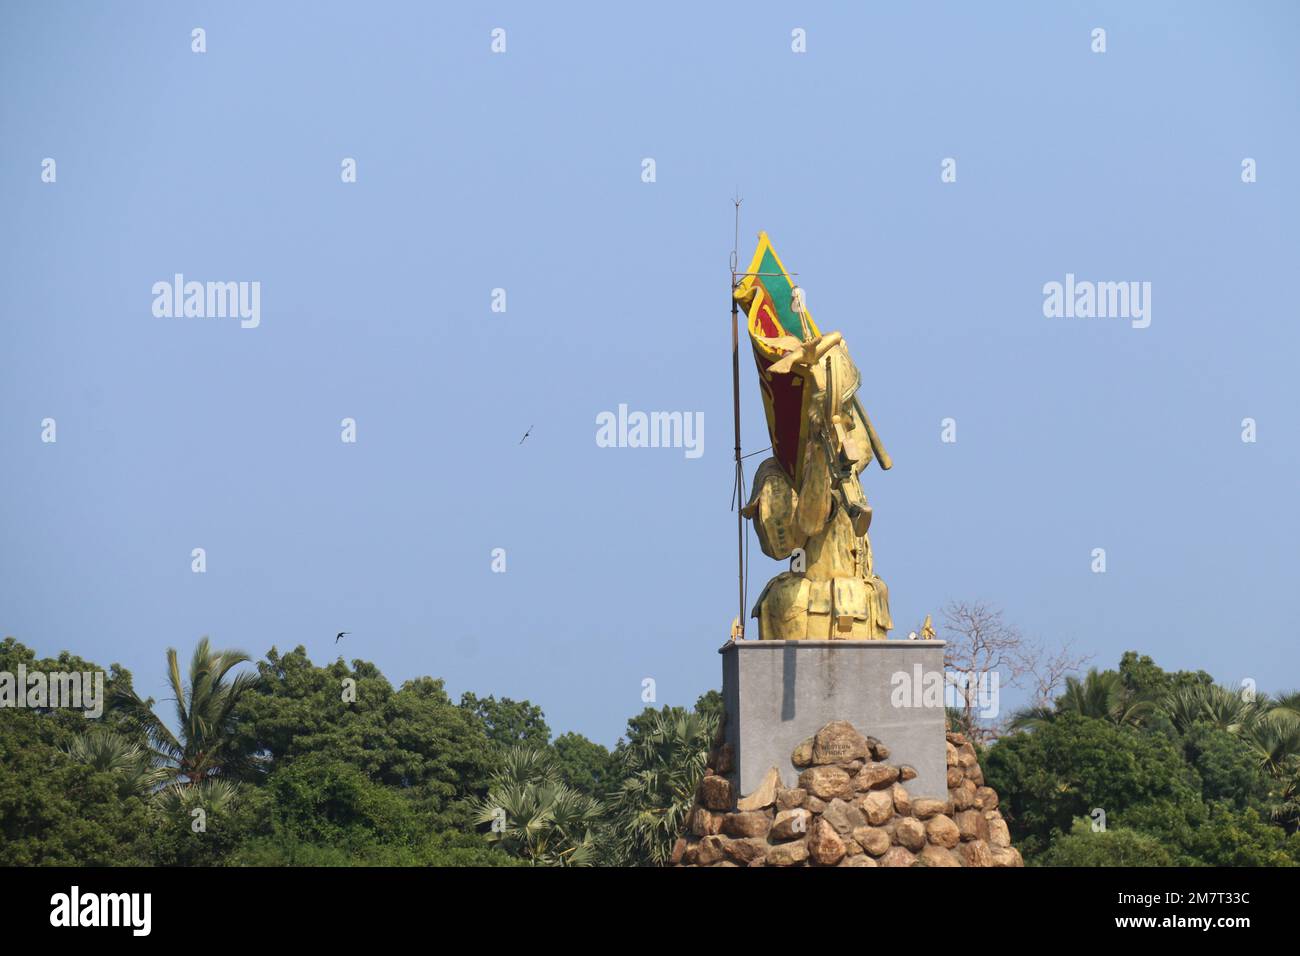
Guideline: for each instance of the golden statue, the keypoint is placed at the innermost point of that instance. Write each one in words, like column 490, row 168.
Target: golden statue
column 807, row 503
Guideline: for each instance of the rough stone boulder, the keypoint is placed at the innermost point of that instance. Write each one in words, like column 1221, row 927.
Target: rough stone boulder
column 849, row 809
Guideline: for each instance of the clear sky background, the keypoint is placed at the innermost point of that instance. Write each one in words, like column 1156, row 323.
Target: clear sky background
column 523, row 171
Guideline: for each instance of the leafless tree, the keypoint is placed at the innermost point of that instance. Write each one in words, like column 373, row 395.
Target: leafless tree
column 1047, row 670
column 980, row 644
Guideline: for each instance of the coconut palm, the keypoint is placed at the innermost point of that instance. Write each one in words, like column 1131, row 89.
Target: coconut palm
column 1030, row 718
column 536, row 816
column 204, row 745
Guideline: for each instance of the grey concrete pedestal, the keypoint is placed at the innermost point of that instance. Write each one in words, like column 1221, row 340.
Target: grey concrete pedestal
column 778, row 693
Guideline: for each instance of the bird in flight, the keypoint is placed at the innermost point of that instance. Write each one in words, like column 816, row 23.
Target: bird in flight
column 338, row 637
column 526, row 434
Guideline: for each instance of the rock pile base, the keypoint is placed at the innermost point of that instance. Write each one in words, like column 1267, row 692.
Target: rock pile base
column 850, row 808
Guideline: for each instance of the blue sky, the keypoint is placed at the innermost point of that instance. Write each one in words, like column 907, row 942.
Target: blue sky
column 522, row 171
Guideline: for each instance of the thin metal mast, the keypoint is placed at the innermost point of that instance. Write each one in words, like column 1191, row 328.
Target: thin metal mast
column 737, row 632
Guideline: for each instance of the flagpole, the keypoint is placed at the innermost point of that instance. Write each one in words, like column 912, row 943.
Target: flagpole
column 737, row 632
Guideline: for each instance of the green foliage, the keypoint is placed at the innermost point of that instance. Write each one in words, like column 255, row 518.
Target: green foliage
column 661, row 763
column 179, row 838
column 306, row 765
column 126, row 759
column 710, row 706
column 954, row 719
column 320, row 811
column 63, row 722
column 1215, row 834
column 1142, row 677
column 206, row 743
column 320, row 799
column 415, row 738
column 1209, row 704
column 534, row 816
column 1101, row 695
column 57, row 812
column 508, row 723
column 583, row 764
column 438, row 849
column 1067, row 768
column 1116, row 847
column 1229, row 770
column 1209, row 773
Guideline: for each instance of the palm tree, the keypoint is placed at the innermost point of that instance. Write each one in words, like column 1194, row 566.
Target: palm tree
column 204, row 747
column 1269, row 727
column 1289, row 702
column 1030, row 718
column 214, row 794
column 132, row 765
column 1274, row 739
column 662, row 769
column 1100, row 695
column 1221, row 707
column 536, row 816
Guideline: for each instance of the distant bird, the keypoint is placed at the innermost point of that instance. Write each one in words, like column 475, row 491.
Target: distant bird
column 338, row 637
column 527, row 433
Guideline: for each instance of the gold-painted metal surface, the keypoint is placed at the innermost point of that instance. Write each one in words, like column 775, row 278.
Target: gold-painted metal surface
column 812, row 509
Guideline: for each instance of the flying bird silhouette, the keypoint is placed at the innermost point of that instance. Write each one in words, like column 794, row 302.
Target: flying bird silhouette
column 527, row 433
column 338, row 637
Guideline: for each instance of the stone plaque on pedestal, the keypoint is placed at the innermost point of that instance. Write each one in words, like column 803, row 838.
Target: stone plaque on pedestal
column 779, row 693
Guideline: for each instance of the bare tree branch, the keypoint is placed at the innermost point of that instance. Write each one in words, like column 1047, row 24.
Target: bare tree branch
column 984, row 654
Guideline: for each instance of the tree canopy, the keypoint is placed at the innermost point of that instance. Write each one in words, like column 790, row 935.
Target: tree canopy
column 285, row 762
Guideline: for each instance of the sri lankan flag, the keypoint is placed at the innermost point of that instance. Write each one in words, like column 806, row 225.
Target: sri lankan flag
column 766, row 293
